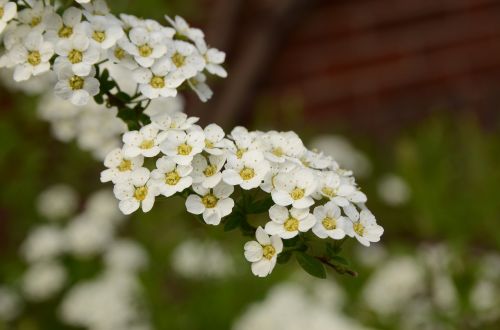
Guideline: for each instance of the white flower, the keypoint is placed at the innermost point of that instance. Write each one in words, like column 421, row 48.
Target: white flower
column 263, row 253
column 173, row 121
column 213, row 59
column 158, row 81
column 145, row 46
column 57, row 202
column 8, row 11
column 144, row 142
column 288, row 223
column 185, row 59
column 43, row 280
column 199, row 86
column 103, row 32
column 119, row 167
column 32, row 57
column 214, row 140
column 77, row 89
column 363, row 226
column 44, row 242
column 137, row 192
column 214, row 203
column 207, row 172
column 329, row 222
column 182, row 146
column 65, row 27
column 38, row 16
column 77, row 52
column 182, row 28
column 282, row 146
column 247, row 172
column 294, row 188
column 171, row 178
column 96, row 8
column 242, row 141
column 339, row 190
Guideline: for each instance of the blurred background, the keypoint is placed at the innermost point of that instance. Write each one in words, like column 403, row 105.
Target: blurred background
column 404, row 92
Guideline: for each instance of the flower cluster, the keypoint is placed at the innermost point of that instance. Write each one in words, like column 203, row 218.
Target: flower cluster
column 73, row 41
column 304, row 190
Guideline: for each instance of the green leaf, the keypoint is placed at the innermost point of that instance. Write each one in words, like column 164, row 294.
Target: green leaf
column 311, row 265
column 284, row 257
column 260, row 206
column 233, row 221
column 340, row 260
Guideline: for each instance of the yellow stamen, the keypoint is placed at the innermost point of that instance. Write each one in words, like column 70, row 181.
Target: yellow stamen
column 147, row 144
column 172, row 178
column 75, row 56
column 76, row 83
column 291, row 224
column 210, row 170
column 65, row 31
column 178, row 59
column 141, row 193
column 145, row 50
column 297, row 194
column 125, row 165
column 247, row 173
column 157, row 82
column 268, row 251
column 34, row 58
column 329, row 223
column 99, row 36
column 210, row 201
column 184, row 149
column 359, row 228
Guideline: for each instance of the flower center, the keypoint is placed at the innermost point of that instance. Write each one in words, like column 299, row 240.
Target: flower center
column 359, row 228
column 247, row 173
column 76, row 83
column 172, row 178
column 35, row 21
column 141, row 193
column 157, row 82
column 291, row 224
column 65, row 32
column 145, row 50
column 75, row 56
column 99, row 36
column 34, row 58
column 240, row 152
column 1, row 12
column 184, row 149
column 209, row 144
column 329, row 223
column 278, row 152
column 297, row 194
column 147, row 144
column 268, row 251
column 178, row 59
column 119, row 53
column 210, row 170
column 330, row 192
column 125, row 165
column 210, row 201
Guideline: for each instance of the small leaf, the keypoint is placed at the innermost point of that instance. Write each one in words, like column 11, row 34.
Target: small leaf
column 284, row 257
column 340, row 260
column 233, row 221
column 260, row 206
column 311, row 265
column 292, row 242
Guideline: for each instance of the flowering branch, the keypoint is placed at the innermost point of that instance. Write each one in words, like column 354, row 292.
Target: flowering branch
column 312, row 204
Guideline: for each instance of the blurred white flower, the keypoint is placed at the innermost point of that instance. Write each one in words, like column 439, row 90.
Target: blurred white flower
column 125, row 255
column 43, row 280
column 393, row 190
column 290, row 306
column 107, row 302
column 197, row 259
column 10, row 304
column 57, row 202
column 86, row 237
column 393, row 285
column 44, row 242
